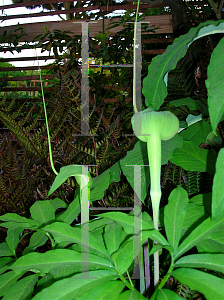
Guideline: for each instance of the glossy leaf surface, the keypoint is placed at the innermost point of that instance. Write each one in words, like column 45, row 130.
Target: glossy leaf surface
column 63, row 232
column 155, row 83
column 42, row 212
column 192, row 158
column 13, row 220
column 72, row 288
column 200, row 233
column 174, row 215
column 208, row 285
column 48, row 261
column 165, row 294
column 22, row 289
column 109, row 291
column 218, row 187
column 207, row 261
column 214, row 84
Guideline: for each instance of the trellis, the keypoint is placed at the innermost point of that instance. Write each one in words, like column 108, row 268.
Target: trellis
column 163, row 23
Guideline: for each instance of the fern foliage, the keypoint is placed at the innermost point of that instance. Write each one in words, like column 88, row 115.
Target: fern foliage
column 27, row 173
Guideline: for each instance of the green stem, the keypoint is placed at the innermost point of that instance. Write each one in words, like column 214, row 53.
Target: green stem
column 53, row 243
column 131, row 287
column 154, row 157
column 163, row 282
column 45, row 112
column 134, row 67
column 130, row 279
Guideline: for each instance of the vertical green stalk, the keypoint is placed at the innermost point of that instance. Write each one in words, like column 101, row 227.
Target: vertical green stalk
column 154, row 157
column 45, row 113
column 134, row 61
column 153, row 127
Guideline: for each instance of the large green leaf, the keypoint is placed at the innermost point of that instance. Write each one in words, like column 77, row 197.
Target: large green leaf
column 167, row 148
column 195, row 215
column 44, row 282
column 200, row 233
column 109, row 291
column 189, row 102
column 197, row 132
column 123, row 257
column 210, row 246
column 192, row 158
column 207, row 261
column 112, row 237
column 155, row 83
column 53, row 259
column 165, row 294
column 214, row 84
column 42, row 212
column 174, row 215
column 58, row 203
column 131, row 295
column 4, row 250
column 63, row 232
column 6, row 280
column 5, row 260
column 127, row 222
column 203, row 200
column 72, row 211
column 37, row 239
column 22, row 289
column 214, row 243
column 100, row 184
column 12, row 238
column 13, row 221
column 208, row 285
column 137, row 156
column 68, row 171
column 5, row 263
column 98, row 223
column 73, row 287
column 218, row 187
column 115, row 172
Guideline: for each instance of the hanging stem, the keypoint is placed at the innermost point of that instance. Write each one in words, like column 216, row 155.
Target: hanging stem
column 45, row 113
column 134, row 67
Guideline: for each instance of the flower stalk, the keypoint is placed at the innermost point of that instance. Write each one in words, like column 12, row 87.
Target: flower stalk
column 152, row 127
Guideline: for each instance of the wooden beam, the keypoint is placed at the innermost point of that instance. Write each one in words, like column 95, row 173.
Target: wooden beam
column 162, row 22
column 37, row 100
column 144, row 41
column 157, row 41
column 154, row 51
column 77, row 10
column 26, row 58
column 7, row 69
column 27, row 89
column 50, row 13
column 24, row 78
column 30, row 3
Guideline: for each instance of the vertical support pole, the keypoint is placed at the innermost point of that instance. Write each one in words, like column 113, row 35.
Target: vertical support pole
column 137, row 87
column 137, row 221
column 85, row 80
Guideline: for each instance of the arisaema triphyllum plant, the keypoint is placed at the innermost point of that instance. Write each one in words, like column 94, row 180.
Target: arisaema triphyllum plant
column 152, row 127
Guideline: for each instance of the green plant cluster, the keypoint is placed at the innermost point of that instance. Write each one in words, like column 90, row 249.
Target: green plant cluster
column 79, row 261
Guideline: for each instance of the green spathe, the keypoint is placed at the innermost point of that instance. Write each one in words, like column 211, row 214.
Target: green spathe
column 149, row 122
